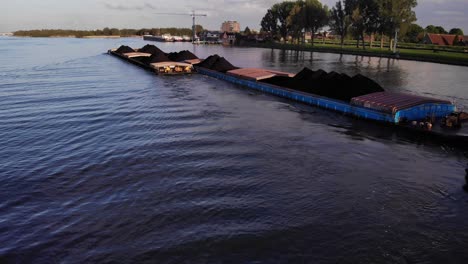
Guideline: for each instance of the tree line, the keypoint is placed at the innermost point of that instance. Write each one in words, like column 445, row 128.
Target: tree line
column 106, row 32
column 347, row 18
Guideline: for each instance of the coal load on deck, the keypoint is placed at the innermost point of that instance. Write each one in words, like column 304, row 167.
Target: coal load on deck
column 152, row 49
column 332, row 85
column 159, row 57
column 217, row 63
column 181, row 56
column 124, row 49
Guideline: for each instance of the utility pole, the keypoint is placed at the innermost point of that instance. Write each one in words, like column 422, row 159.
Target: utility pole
column 194, row 31
column 396, row 40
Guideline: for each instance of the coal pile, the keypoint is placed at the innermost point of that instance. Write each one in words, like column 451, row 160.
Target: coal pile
column 152, row 49
column 367, row 85
column 182, row 56
column 124, row 49
column 159, row 57
column 332, row 85
column 209, row 62
column 217, row 63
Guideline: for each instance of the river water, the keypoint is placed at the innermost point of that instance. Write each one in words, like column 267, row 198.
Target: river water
column 104, row 162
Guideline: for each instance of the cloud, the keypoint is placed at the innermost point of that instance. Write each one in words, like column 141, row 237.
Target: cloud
column 124, row 7
column 123, row 13
column 448, row 13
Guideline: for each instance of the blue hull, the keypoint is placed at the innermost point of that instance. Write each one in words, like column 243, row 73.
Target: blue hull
column 414, row 113
column 305, row 98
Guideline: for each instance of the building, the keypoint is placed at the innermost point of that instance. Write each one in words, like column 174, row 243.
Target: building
column 228, row 38
column 442, row 39
column 210, row 36
column 230, row 26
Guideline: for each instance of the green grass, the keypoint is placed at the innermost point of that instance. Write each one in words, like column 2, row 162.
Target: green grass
column 419, row 54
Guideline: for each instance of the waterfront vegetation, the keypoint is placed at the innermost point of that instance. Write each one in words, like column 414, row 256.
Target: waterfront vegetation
column 105, row 32
column 361, row 27
column 360, row 20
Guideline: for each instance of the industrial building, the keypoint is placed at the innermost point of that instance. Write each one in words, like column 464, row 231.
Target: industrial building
column 230, row 27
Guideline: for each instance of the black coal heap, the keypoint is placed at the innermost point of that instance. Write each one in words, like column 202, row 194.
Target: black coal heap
column 333, row 85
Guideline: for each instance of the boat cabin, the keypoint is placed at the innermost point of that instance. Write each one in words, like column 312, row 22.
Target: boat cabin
column 405, row 106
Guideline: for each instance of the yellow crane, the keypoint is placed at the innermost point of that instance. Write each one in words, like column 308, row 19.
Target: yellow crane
column 193, row 15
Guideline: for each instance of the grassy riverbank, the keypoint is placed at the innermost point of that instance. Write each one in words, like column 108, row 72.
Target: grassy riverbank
column 428, row 55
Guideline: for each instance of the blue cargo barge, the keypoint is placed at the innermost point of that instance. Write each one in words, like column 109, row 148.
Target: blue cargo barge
column 424, row 116
column 416, row 112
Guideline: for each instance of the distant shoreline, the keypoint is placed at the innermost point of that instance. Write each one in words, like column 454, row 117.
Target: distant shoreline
column 73, row 36
column 102, row 33
column 104, row 36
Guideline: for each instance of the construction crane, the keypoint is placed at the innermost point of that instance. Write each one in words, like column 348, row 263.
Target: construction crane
column 193, row 15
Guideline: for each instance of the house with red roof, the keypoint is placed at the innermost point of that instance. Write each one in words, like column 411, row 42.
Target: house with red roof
column 442, row 39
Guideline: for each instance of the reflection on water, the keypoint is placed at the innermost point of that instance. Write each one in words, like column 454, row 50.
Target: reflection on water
column 105, row 162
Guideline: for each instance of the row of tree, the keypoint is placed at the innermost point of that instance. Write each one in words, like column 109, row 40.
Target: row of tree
column 106, row 32
column 358, row 18
column 415, row 33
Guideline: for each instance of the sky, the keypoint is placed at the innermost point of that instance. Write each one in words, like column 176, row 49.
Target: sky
column 97, row 14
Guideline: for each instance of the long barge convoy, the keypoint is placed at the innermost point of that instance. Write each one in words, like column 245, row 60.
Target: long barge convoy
column 425, row 116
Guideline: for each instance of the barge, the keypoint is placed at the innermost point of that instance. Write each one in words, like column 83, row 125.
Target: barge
column 425, row 116
column 160, row 68
column 167, row 38
column 429, row 117
column 162, row 38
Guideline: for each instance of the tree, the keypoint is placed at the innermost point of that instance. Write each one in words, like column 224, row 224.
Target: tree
column 296, row 20
column 431, row 29
column 114, row 32
column 315, row 16
column 441, row 30
column 198, row 29
column 282, row 11
column 456, row 31
column 413, row 33
column 247, row 31
column 394, row 14
column 435, row 29
column 339, row 21
column 350, row 6
column 270, row 23
column 365, row 19
column 357, row 25
column 106, row 31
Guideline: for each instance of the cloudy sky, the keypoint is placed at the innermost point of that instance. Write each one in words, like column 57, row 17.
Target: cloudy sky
column 93, row 14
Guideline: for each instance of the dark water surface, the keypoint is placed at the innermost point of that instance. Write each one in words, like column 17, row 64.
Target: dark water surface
column 104, row 162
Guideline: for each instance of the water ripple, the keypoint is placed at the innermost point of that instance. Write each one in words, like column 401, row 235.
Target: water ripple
column 104, row 162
